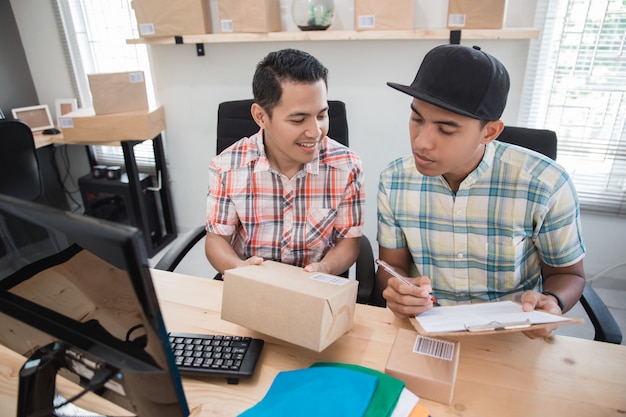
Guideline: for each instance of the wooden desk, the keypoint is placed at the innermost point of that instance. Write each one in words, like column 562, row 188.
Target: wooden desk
column 504, row 375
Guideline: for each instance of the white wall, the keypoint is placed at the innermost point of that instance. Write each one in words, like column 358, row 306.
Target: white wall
column 191, row 87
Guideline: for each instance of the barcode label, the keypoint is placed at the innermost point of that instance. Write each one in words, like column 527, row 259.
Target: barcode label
column 367, row 21
column 227, row 25
column 66, row 123
column 437, row 348
column 456, row 20
column 146, row 29
column 136, row 77
column 330, row 279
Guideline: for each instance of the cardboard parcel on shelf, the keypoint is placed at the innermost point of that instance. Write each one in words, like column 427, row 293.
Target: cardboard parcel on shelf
column 172, row 18
column 251, row 16
column 383, row 15
column 308, row 309
column 476, row 14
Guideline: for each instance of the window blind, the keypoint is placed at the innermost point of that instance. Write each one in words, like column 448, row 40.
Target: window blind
column 576, row 85
column 95, row 35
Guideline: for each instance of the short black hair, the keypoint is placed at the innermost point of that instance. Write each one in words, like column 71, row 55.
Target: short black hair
column 284, row 65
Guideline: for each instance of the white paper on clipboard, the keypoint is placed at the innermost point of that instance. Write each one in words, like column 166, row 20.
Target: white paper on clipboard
column 492, row 316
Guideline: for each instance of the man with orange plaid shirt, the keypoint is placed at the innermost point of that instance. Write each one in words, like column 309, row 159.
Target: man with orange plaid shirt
column 289, row 193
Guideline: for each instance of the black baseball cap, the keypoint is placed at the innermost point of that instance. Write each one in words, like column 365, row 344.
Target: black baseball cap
column 461, row 79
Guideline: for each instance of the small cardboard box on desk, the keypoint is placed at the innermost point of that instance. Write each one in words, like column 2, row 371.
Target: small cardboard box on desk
column 308, row 309
column 426, row 365
column 118, row 92
column 84, row 126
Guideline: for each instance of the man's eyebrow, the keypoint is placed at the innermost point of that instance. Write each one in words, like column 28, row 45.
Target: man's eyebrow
column 304, row 114
column 451, row 123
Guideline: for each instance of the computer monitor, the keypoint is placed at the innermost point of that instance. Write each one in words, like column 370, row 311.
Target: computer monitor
column 76, row 297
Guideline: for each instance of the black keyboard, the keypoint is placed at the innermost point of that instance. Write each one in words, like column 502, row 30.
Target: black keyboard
column 232, row 357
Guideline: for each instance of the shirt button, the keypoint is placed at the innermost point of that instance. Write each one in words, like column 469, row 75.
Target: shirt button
column 459, row 255
column 459, row 212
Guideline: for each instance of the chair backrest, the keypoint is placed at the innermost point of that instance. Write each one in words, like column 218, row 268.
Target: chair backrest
column 19, row 167
column 539, row 140
column 234, row 121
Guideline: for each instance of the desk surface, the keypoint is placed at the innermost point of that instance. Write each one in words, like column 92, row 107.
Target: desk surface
column 499, row 375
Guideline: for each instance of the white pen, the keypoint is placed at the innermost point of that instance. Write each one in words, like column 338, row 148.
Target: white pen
column 395, row 273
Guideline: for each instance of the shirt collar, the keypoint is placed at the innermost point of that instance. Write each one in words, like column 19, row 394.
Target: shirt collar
column 482, row 167
column 263, row 164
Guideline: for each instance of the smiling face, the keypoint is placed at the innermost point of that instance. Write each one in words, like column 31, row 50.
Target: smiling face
column 446, row 143
column 297, row 125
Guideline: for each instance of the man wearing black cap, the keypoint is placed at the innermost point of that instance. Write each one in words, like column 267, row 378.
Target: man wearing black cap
column 480, row 219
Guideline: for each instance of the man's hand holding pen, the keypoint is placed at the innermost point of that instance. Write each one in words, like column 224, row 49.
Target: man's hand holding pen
column 407, row 297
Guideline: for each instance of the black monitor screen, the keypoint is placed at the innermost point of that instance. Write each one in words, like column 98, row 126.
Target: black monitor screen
column 81, row 288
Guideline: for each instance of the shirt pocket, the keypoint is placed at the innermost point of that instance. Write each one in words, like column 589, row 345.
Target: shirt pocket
column 504, row 255
column 319, row 229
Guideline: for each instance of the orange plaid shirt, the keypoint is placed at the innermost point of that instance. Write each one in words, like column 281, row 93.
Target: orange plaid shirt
column 290, row 220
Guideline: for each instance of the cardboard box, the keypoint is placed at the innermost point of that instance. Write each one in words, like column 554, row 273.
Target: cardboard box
column 256, row 16
column 476, row 14
column 85, row 127
column 118, row 92
column 383, row 15
column 172, row 18
column 428, row 368
column 307, row 309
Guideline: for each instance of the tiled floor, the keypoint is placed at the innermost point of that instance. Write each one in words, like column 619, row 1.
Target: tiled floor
column 610, row 289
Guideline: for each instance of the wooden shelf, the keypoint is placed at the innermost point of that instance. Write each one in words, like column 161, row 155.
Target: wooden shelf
column 342, row 35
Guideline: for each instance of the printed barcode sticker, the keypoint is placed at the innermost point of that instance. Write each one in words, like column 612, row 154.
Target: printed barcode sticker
column 136, row 77
column 227, row 25
column 330, row 279
column 146, row 29
column 456, row 20
column 66, row 123
column 367, row 21
column 437, row 348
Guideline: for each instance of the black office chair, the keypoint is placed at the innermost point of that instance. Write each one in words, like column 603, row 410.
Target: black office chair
column 545, row 142
column 234, row 121
column 19, row 166
column 19, row 177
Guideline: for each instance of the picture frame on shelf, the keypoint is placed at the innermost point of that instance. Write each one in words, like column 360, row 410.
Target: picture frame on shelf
column 64, row 106
column 36, row 117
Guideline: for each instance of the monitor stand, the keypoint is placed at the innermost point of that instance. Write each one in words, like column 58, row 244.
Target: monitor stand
column 37, row 394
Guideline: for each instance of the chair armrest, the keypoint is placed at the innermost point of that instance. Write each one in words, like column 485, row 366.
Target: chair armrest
column 365, row 273
column 606, row 328
column 179, row 249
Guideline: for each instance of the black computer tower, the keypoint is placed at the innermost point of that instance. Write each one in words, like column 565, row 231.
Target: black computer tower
column 110, row 199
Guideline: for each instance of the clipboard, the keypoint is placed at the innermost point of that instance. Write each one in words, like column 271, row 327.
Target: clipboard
column 484, row 319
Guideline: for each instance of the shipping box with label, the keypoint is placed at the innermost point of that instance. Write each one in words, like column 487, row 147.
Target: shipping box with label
column 383, row 15
column 172, row 18
column 249, row 16
column 118, row 92
column 427, row 366
column 308, row 309
column 476, row 14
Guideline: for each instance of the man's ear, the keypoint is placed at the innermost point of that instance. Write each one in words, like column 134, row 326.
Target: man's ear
column 491, row 131
column 259, row 115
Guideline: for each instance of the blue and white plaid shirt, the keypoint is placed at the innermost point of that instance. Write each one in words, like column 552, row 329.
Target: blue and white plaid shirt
column 486, row 241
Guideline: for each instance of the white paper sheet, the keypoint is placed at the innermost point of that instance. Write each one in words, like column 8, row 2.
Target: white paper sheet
column 460, row 317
